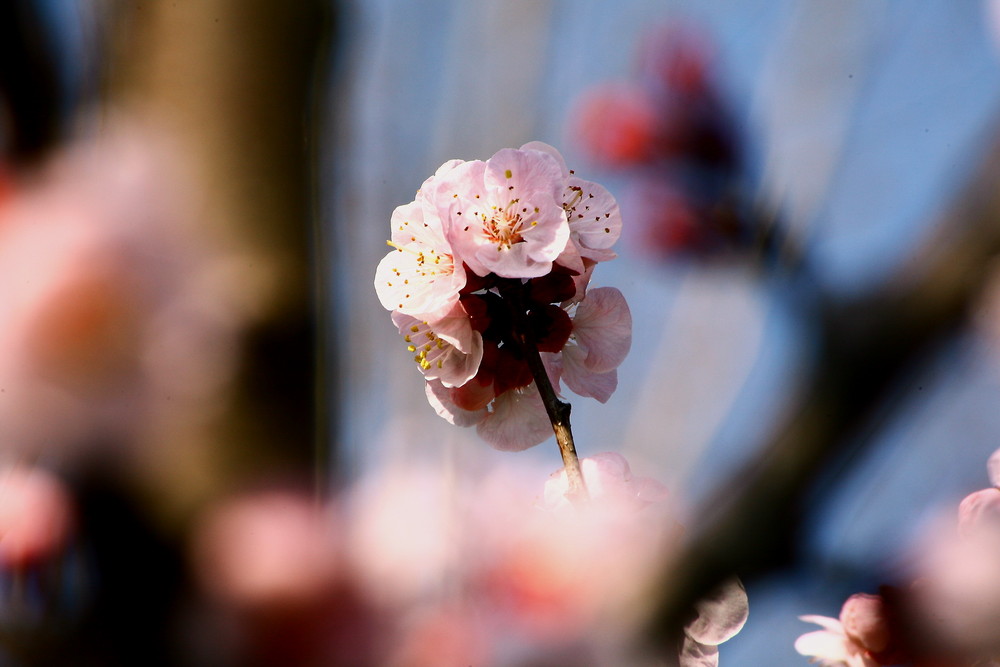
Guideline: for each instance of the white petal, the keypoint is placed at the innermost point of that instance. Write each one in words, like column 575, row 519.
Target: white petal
column 438, row 396
column 721, row 615
column 694, row 654
column 828, row 647
column 827, row 623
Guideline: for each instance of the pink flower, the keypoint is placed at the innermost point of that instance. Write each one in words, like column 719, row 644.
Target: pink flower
column 36, row 516
column 978, row 509
column 993, row 468
column 860, row 638
column 504, row 216
column 609, row 481
column 618, row 123
column 446, row 349
column 595, row 222
column 421, row 275
column 268, row 551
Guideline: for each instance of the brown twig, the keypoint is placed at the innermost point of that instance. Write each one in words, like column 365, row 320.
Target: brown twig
column 557, row 410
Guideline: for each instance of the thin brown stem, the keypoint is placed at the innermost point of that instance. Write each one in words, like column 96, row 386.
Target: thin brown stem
column 557, row 410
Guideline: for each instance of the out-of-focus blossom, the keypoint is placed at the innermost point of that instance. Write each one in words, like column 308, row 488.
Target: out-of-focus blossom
column 993, row 468
column 669, row 129
column 618, row 123
column 272, row 550
column 978, row 508
column 610, row 482
column 113, row 320
column 721, row 616
column 36, row 516
column 861, row 637
column 424, row 568
column 667, row 220
column 953, row 605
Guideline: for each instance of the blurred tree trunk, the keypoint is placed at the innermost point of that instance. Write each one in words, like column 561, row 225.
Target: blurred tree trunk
column 237, row 85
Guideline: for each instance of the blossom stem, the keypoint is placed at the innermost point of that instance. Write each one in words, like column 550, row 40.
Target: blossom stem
column 557, row 410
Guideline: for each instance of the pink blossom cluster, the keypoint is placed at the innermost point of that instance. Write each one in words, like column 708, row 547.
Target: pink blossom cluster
column 948, row 611
column 408, row 570
column 491, row 260
column 668, row 128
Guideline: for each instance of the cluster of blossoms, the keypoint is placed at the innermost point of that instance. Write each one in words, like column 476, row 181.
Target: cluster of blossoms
column 425, row 572
column 490, row 263
column 946, row 617
column 669, row 128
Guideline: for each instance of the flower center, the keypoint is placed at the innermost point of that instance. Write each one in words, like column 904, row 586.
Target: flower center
column 504, row 227
column 425, row 343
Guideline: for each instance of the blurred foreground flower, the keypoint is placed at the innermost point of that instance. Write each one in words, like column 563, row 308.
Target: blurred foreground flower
column 861, row 637
column 419, row 570
column 116, row 322
column 36, row 516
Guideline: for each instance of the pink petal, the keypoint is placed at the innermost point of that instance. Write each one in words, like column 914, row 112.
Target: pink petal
column 518, row 421
column 571, row 258
column 543, row 147
column 531, row 173
column 603, row 327
column 864, row 619
column 993, row 468
column 438, row 396
column 721, row 615
column 584, row 382
column 979, row 509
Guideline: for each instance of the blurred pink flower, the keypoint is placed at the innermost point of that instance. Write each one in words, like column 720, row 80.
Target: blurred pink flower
column 993, row 468
column 979, row 508
column 273, row 550
column 36, row 516
column 617, row 123
column 113, row 319
column 860, row 638
column 610, row 482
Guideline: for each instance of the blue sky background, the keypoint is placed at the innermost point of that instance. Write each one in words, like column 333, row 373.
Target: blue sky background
column 862, row 120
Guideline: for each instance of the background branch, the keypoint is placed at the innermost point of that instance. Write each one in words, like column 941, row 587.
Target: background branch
column 866, row 348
